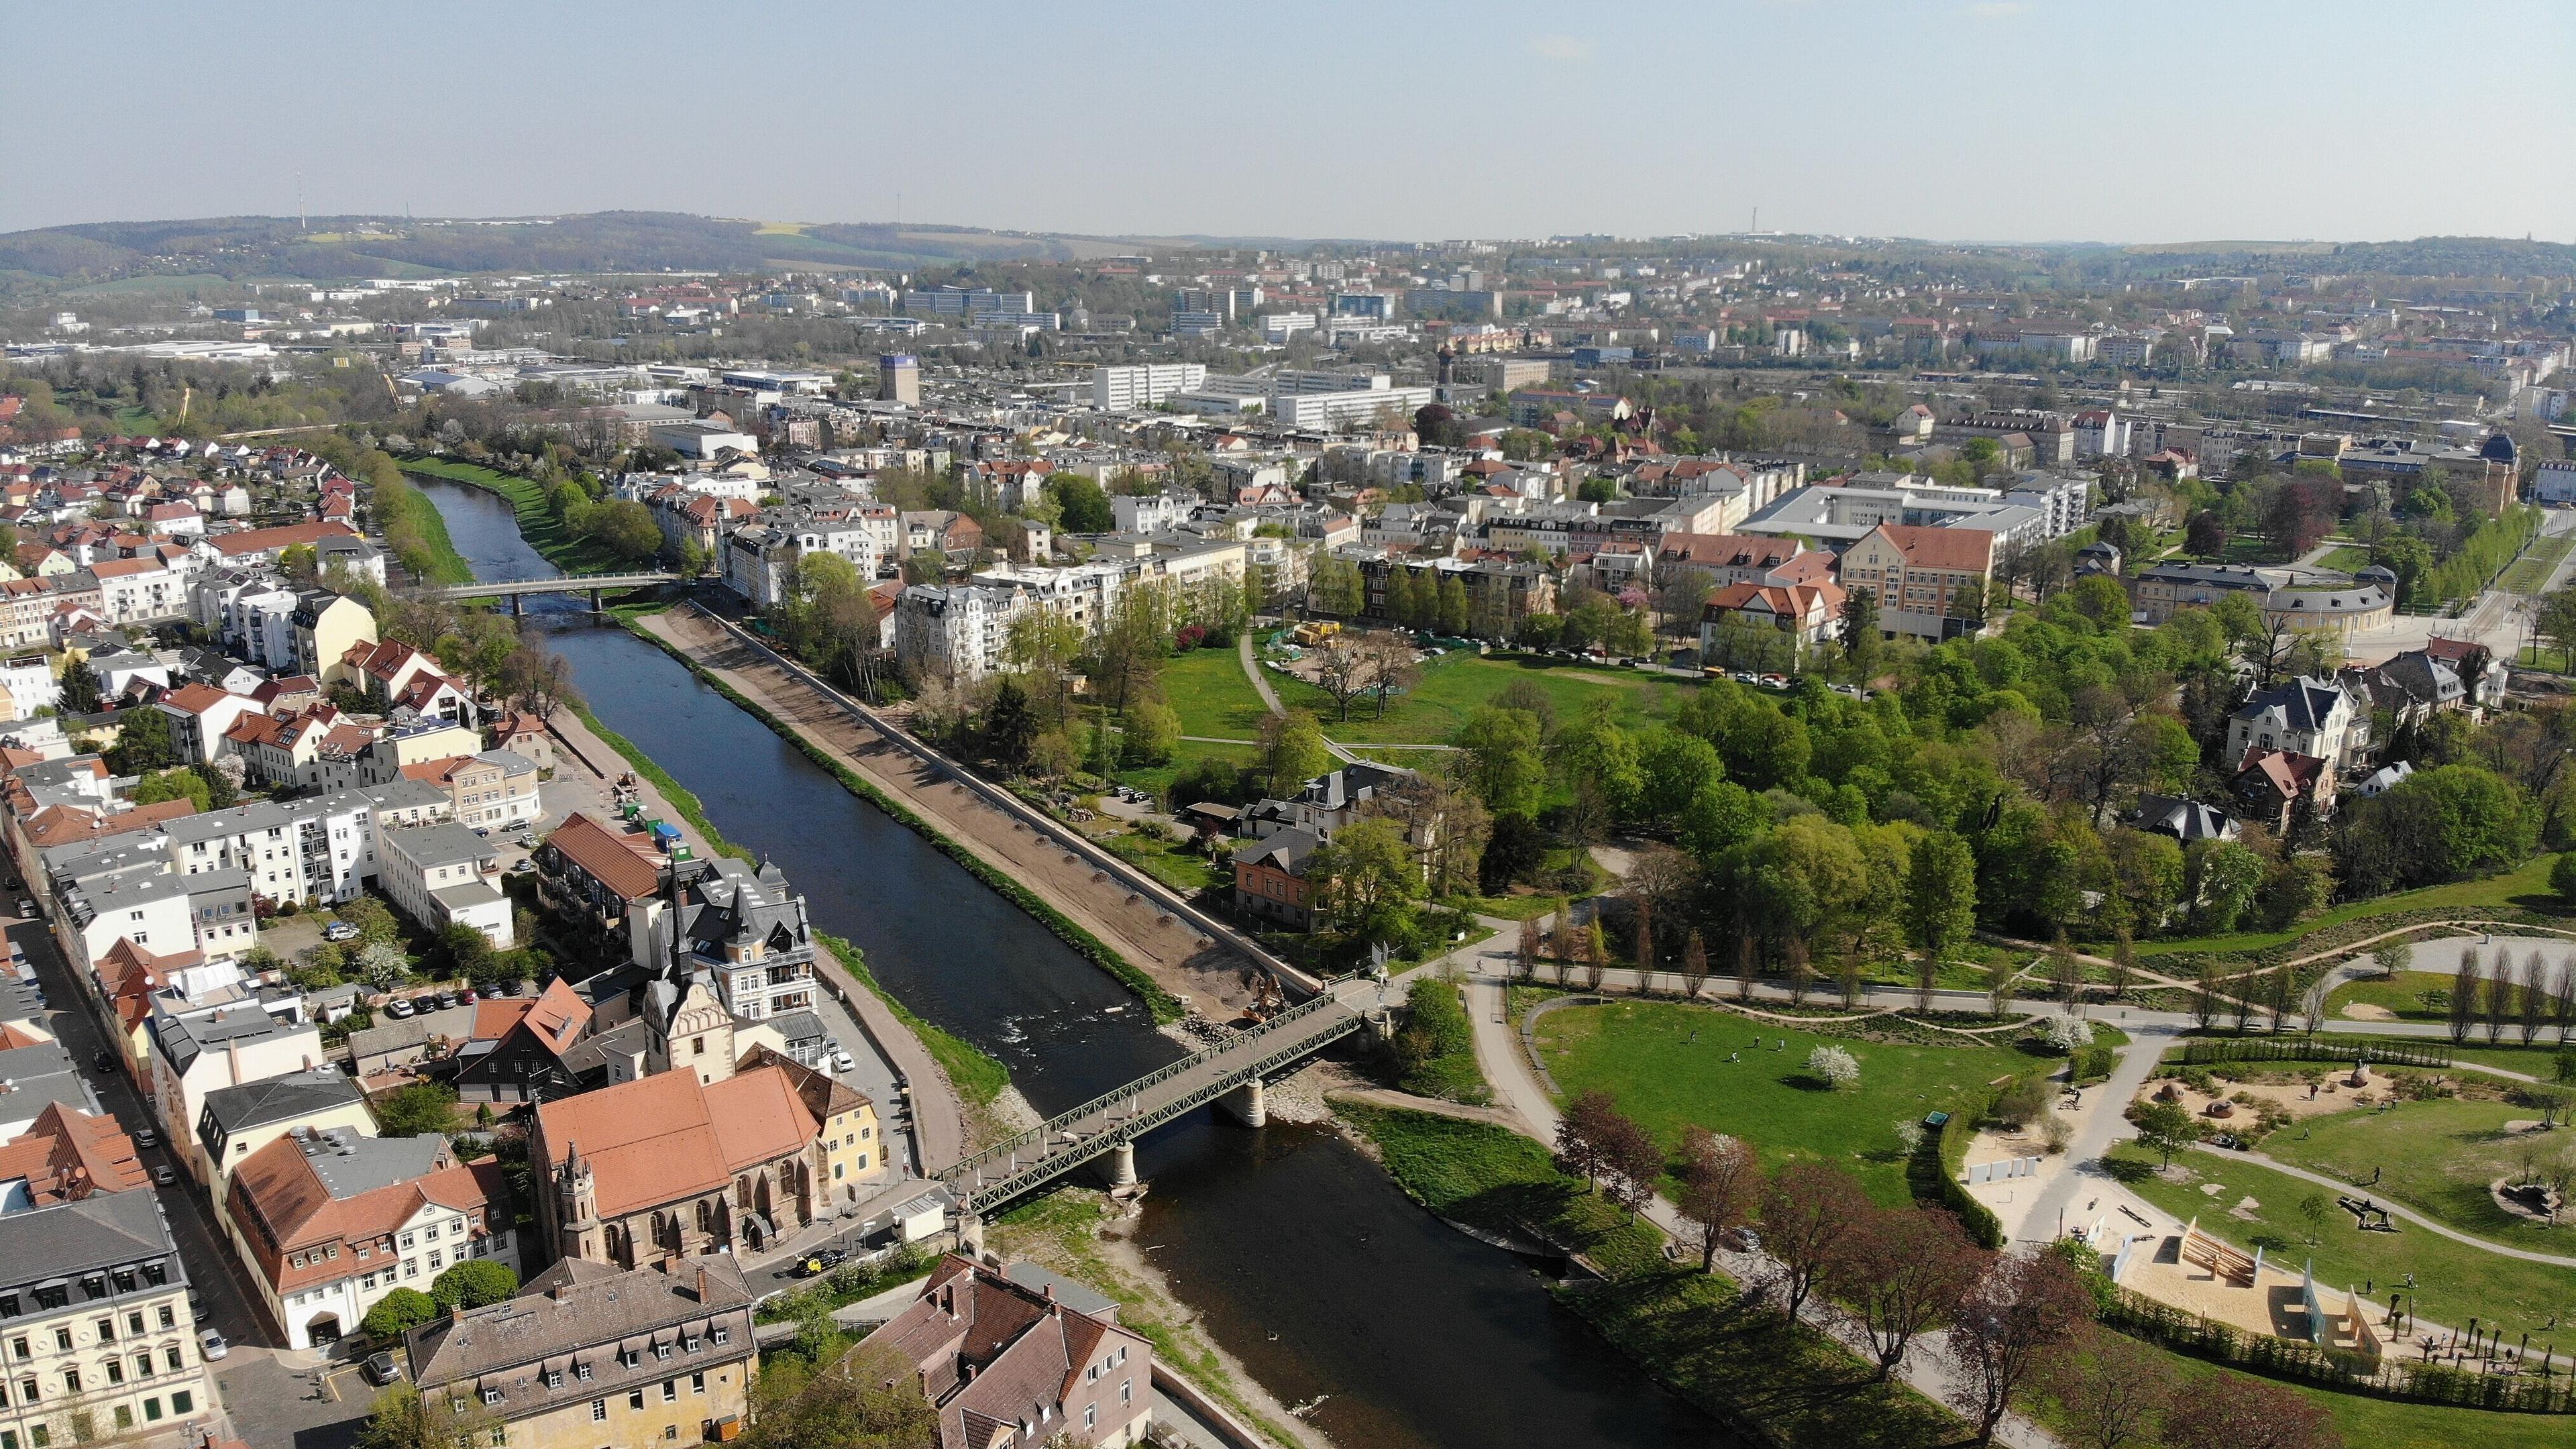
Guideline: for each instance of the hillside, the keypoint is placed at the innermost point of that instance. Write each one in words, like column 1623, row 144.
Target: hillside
column 339, row 247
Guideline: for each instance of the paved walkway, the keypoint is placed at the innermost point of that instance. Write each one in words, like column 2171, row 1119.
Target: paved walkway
column 2395, row 1209
column 1270, row 697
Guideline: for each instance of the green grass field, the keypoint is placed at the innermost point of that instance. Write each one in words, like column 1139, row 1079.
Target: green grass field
column 2453, row 1281
column 2436, row 1157
column 2526, row 888
column 1183, row 869
column 2530, row 573
column 1208, row 690
column 1453, row 686
column 2402, row 995
column 1643, row 1054
column 2345, row 559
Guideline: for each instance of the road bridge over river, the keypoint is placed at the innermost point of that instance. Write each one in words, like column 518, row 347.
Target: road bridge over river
column 591, row 584
column 1109, row 1125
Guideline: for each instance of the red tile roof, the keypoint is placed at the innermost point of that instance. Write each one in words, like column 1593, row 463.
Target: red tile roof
column 666, row 1137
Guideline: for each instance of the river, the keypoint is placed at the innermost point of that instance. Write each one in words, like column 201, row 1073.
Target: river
column 1306, row 1261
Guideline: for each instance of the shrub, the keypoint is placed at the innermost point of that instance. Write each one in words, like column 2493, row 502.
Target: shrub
column 1835, row 1066
column 472, row 1284
column 401, row 1309
column 2066, row 1033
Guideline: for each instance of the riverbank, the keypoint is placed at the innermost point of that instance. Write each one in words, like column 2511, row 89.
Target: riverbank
column 416, row 532
column 1164, row 959
column 537, row 523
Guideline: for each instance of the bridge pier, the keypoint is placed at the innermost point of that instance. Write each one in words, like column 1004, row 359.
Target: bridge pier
column 594, row 601
column 1246, row 1104
column 1122, row 1164
column 517, row 605
column 970, row 1235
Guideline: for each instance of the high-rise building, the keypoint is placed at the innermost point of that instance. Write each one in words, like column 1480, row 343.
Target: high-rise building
column 899, row 378
column 1143, row 385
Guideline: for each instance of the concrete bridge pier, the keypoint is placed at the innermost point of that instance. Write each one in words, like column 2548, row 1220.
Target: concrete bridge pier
column 970, row 1235
column 1246, row 1104
column 518, row 605
column 1122, row 1165
column 594, row 601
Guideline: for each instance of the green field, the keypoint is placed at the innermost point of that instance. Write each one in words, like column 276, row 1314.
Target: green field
column 2530, row 573
column 2402, row 995
column 2436, row 1157
column 1690, row 1329
column 2453, row 1281
column 1178, row 866
column 2344, row 559
column 1454, row 685
column 2526, row 888
column 1208, row 690
column 1643, row 1054
column 536, row 525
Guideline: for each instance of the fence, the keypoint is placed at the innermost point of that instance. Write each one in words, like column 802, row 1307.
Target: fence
column 2380, row 1376
column 2210, row 1051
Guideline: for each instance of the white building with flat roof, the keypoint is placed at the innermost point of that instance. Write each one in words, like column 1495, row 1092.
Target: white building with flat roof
column 1130, row 386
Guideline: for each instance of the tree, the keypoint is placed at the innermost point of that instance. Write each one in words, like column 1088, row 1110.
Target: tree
column 473, row 1284
column 1695, row 971
column 2112, row 1387
column 1389, row 667
column 1582, row 1135
column 422, row 1107
column 1861, row 644
column 1898, row 1273
column 1153, row 732
column 2233, row 1411
column 1336, row 588
column 1807, row 1211
column 1366, row 880
column 1940, row 894
column 1513, row 853
column 1292, row 752
column 869, row 1398
column 469, row 951
column 2315, row 1211
column 1010, row 727
column 1083, row 505
column 2464, row 996
column 1834, row 1066
column 1525, row 954
column 1504, row 764
column 2021, row 1313
column 625, row 528
column 81, row 686
column 177, row 784
column 381, row 964
column 403, row 1419
column 143, row 742
column 1632, row 1162
column 1721, row 1181
column 2167, row 1127
column 402, row 1309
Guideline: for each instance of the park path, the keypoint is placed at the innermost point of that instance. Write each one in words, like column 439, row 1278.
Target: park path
column 2098, row 1126
column 2395, row 1208
column 1270, row 697
column 1506, row 1066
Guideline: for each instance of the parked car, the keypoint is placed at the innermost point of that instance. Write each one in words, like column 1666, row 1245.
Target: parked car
column 26, row 909
column 146, row 1137
column 839, row 1062
column 382, row 1368
column 483, row 830
column 213, row 1345
column 104, row 1062
column 164, row 1176
column 468, row 996
column 399, row 1007
column 445, row 1000
column 339, row 931
column 522, row 866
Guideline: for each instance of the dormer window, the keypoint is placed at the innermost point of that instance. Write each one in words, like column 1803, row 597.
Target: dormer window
column 554, row 1378
column 581, row 1371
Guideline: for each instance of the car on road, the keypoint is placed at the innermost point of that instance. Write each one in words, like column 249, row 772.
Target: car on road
column 146, row 1137
column 212, row 1345
column 814, row 1265
column 522, row 866
column 26, row 910
column 163, row 1176
column 399, row 1007
column 483, row 830
column 839, row 1062
column 339, row 931
column 103, row 1062
column 382, row 1369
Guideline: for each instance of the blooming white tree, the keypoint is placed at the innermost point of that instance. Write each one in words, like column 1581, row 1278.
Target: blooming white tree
column 381, row 964
column 2066, row 1033
column 1835, row 1065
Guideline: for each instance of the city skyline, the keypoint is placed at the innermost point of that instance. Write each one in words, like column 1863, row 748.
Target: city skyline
column 2019, row 122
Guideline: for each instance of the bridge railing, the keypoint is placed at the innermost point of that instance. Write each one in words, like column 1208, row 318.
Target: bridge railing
column 1045, row 1132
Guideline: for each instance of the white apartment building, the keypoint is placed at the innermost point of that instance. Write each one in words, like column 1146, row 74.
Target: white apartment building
column 1143, row 385
column 318, row 849
column 956, row 632
column 1280, row 326
column 1330, row 409
column 135, row 589
column 446, row 875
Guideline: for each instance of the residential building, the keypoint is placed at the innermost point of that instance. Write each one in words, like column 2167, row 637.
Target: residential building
column 670, row 1168
column 239, row 1120
column 94, row 1309
column 2270, row 784
column 2304, row 716
column 491, row 791
column 595, row 875
column 1009, row 1363
column 2183, row 819
column 1769, row 626
column 1745, row 558
column 319, row 849
column 744, row 926
column 1119, row 389
column 199, row 716
column 329, row 1222
column 446, row 875
column 195, row 1056
column 325, row 626
column 1316, row 410
column 899, row 379
column 1270, row 877
column 518, row 1047
column 588, row 1355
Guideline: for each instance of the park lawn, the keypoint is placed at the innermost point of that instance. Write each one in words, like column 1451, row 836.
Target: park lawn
column 2344, row 559
column 2436, row 1157
column 1454, row 685
column 447, row 566
column 536, row 525
column 2538, row 1060
column 2402, row 995
column 1207, row 689
column 2454, row 1282
column 1178, row 866
column 2365, row 1422
column 1157, row 779
column 2526, row 888
column 1644, row 1055
column 1689, row 1329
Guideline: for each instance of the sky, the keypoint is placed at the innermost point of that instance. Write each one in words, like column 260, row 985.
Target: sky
column 2029, row 120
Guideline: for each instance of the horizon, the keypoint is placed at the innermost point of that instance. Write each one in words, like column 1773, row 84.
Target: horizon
column 1951, row 124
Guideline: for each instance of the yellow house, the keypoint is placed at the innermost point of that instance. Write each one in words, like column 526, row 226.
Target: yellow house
column 239, row 1120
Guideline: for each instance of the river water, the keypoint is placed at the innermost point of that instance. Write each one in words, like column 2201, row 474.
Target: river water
column 1303, row 1257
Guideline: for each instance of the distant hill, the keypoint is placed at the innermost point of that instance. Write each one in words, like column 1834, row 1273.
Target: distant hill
column 331, row 248
column 2430, row 256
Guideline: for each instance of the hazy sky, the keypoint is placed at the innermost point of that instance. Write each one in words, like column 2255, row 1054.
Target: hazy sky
column 2023, row 119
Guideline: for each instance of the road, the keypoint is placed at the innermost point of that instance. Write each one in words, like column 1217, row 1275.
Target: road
column 2499, row 620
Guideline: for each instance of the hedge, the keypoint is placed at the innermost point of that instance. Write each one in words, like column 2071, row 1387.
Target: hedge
column 2210, row 1051
column 1938, row 1160
column 1089, row 946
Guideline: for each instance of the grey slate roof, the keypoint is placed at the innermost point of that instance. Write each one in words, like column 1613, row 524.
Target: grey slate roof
column 102, row 1231
column 2300, row 704
column 508, row 1347
column 279, row 1099
column 348, row 1164
column 38, row 1076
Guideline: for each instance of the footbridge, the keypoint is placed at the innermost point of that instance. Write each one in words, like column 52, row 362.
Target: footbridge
column 1110, row 1125
column 591, row 584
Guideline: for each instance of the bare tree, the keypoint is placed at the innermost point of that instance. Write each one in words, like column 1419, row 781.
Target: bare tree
column 1342, row 670
column 1532, row 943
column 2562, row 1006
column 1582, row 1136
column 2124, row 962
column 1807, row 1211
column 1721, row 1181
column 1632, row 1160
column 2312, row 1006
column 2112, row 1387
column 1899, row 1273
column 2498, row 996
column 1645, row 909
column 2232, row 1411
column 2021, row 1314
column 1389, row 665
column 2464, row 996
column 2532, row 1001
column 1695, row 964
column 1801, row 973
column 1743, row 965
column 1560, row 942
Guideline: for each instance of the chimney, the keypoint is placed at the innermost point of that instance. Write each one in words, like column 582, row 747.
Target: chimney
column 702, row 1285
column 456, row 1317
column 561, row 1292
